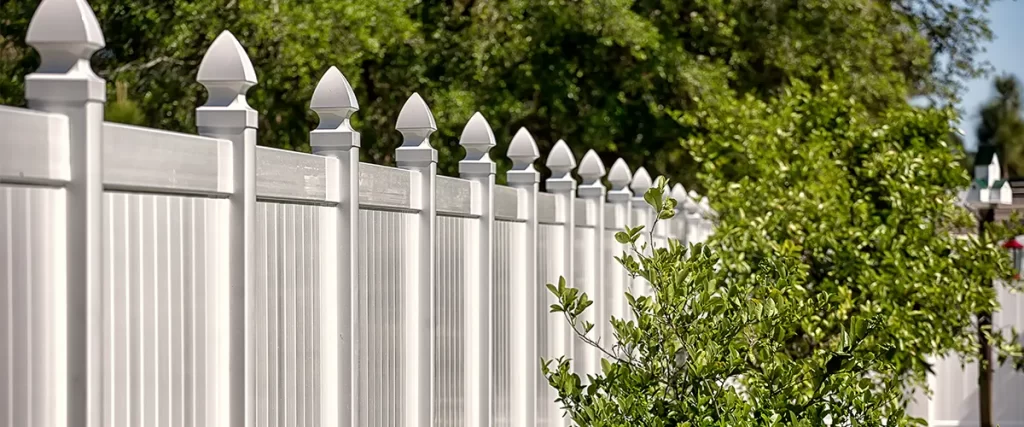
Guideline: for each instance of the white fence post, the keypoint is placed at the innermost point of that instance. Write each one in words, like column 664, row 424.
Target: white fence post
column 66, row 34
column 477, row 138
column 694, row 219
column 642, row 215
column 707, row 215
column 525, row 310
column 227, row 74
column 592, row 190
column 334, row 102
column 561, row 162
column 416, row 123
column 679, row 221
column 621, row 199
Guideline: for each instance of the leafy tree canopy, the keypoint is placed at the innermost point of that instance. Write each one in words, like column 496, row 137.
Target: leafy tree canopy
column 1002, row 125
column 599, row 73
column 841, row 261
column 865, row 205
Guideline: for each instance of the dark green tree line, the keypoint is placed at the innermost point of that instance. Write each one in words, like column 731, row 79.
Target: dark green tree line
column 599, row 73
column 1002, row 125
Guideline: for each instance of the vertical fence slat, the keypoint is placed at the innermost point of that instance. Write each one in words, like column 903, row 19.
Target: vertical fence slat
column 592, row 190
column 66, row 34
column 416, row 123
column 227, row 74
column 334, row 102
column 478, row 167
column 526, row 376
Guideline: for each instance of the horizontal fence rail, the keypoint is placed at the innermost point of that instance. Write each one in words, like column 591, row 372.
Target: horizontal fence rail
column 155, row 278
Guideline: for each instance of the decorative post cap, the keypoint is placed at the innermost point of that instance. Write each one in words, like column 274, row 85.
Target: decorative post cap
column 560, row 160
column 65, row 32
column 334, row 102
column 478, row 139
column 416, row 123
column 591, row 169
column 679, row 193
column 227, row 72
column 523, row 150
column 620, row 176
column 641, row 182
column 691, row 206
column 333, row 99
column 705, row 209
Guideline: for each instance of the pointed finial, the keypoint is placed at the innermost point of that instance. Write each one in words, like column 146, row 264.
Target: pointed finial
column 705, row 208
column 641, row 182
column 226, row 71
column 66, row 33
column 334, row 102
column 561, row 160
column 620, row 176
column 523, row 150
column 679, row 193
column 477, row 138
column 591, row 169
column 333, row 99
column 691, row 205
column 415, row 122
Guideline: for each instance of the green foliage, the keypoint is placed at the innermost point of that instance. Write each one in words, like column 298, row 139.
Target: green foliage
column 598, row 73
column 864, row 207
column 122, row 109
column 707, row 349
column 1002, row 125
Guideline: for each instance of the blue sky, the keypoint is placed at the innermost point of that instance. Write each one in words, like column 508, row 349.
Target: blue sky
column 1005, row 52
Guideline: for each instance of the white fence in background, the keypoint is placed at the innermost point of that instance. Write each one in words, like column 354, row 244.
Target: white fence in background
column 152, row 278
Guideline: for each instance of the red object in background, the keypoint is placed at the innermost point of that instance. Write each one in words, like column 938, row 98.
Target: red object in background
column 1015, row 248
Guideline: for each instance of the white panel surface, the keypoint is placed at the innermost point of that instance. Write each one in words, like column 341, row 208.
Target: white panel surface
column 506, row 246
column 33, row 324
column 166, row 336
column 381, row 277
column 451, row 274
column 285, row 317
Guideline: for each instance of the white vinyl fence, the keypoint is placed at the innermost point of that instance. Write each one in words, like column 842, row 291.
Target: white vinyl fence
column 152, row 278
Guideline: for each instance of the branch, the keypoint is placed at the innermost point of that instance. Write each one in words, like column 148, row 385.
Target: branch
column 146, row 65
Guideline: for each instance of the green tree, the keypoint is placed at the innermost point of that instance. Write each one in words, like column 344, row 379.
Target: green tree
column 710, row 350
column 1002, row 125
column 841, row 260
column 867, row 208
column 599, row 73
